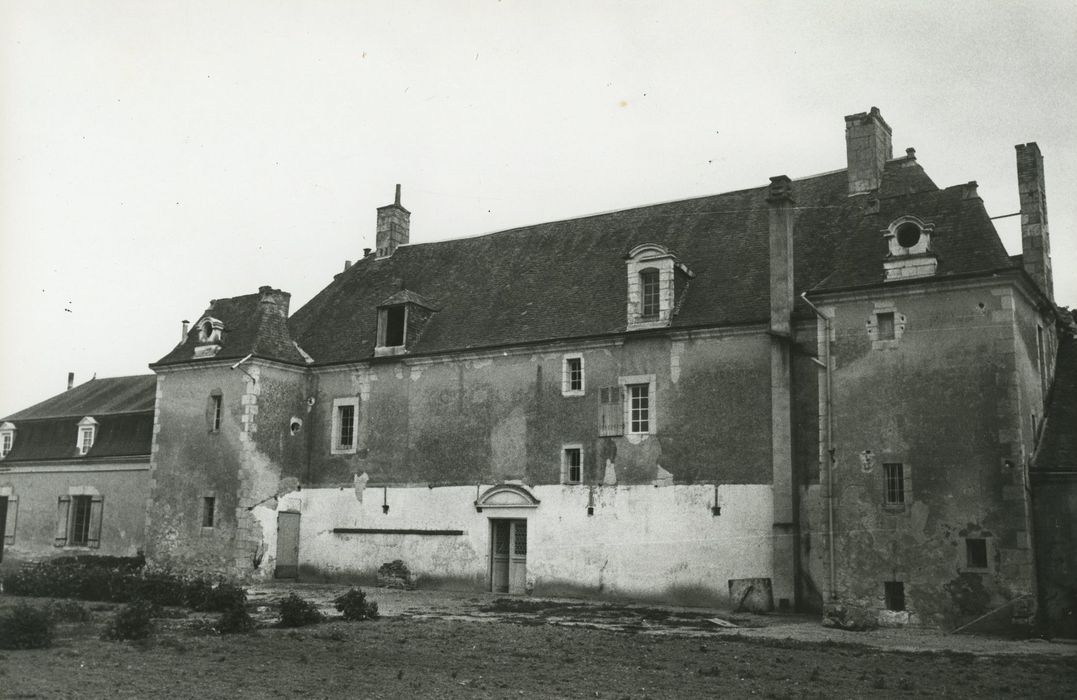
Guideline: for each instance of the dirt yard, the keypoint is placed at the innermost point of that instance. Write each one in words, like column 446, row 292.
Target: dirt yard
column 466, row 646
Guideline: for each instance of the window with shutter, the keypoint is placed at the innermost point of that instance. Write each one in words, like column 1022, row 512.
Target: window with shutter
column 610, row 412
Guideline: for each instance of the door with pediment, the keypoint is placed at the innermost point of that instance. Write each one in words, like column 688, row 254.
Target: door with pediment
column 508, row 556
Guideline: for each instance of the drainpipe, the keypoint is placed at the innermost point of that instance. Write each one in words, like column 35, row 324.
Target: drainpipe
column 829, row 403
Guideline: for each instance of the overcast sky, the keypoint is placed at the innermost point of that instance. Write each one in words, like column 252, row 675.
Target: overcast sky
column 156, row 155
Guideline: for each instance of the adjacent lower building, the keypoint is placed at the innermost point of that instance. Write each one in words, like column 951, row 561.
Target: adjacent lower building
column 74, row 472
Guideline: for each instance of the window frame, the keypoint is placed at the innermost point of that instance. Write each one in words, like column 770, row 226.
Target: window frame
column 209, row 508
column 893, row 593
column 86, row 436
column 969, row 564
column 216, row 412
column 7, row 439
column 71, row 532
column 627, row 384
column 650, row 294
column 612, row 408
column 383, row 326
column 566, row 463
column 567, row 372
column 337, row 447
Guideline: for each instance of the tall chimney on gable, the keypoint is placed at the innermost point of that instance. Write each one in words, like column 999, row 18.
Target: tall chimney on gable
column 1035, row 240
column 867, row 146
column 393, row 227
column 70, row 380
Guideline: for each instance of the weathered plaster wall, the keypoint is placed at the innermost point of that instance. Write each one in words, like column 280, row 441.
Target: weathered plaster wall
column 495, row 417
column 238, row 465
column 641, row 541
column 1055, row 499
column 942, row 400
column 122, row 486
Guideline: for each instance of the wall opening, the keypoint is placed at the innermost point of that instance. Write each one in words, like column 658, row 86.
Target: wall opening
column 894, row 593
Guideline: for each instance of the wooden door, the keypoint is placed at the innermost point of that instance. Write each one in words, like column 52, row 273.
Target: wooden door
column 508, row 556
column 287, row 545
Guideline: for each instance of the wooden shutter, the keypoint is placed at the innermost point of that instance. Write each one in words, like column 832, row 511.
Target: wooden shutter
column 12, row 517
column 610, row 411
column 906, row 473
column 93, row 537
column 63, row 508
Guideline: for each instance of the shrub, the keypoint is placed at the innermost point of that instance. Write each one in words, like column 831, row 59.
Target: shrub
column 395, row 574
column 296, row 612
column 133, row 621
column 235, row 620
column 220, row 598
column 353, row 605
column 68, row 611
column 25, row 627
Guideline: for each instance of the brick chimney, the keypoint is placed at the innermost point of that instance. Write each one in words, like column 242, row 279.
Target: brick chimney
column 868, row 147
column 393, row 227
column 780, row 205
column 1035, row 240
column 274, row 301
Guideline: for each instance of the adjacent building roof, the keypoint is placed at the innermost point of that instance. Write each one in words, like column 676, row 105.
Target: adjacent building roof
column 122, row 406
column 1058, row 446
column 566, row 279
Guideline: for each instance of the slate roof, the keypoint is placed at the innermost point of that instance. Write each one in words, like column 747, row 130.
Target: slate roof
column 253, row 324
column 566, row 279
column 1058, row 446
column 122, row 406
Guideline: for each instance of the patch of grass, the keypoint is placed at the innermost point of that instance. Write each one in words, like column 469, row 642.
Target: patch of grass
column 68, row 611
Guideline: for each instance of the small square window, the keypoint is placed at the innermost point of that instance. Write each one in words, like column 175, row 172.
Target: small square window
column 572, row 465
column 345, row 425
column 885, row 325
column 208, row 505
column 976, row 553
column 894, row 592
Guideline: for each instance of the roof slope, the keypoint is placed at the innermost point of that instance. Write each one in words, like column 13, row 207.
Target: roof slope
column 1058, row 446
column 254, row 324
column 96, row 397
column 122, row 406
column 566, row 279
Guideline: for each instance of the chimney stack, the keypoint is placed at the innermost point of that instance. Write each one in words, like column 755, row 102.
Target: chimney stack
column 780, row 204
column 186, row 328
column 393, row 227
column 70, row 380
column 275, row 300
column 1035, row 240
column 868, row 146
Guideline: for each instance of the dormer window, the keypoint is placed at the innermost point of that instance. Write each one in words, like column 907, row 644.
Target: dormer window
column 652, row 286
column 910, row 254
column 7, row 438
column 401, row 320
column 87, row 434
column 210, row 337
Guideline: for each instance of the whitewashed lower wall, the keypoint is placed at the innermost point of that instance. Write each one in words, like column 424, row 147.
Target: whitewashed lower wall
column 642, row 541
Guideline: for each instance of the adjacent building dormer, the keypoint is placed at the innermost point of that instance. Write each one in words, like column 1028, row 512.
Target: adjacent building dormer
column 910, row 255
column 650, row 269
column 86, row 435
column 7, row 438
column 401, row 320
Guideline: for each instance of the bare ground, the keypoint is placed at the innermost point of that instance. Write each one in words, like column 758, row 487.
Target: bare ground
column 447, row 645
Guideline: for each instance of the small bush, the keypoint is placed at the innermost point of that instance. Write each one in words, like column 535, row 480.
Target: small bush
column 221, row 598
column 296, row 612
column 353, row 606
column 25, row 627
column 65, row 610
column 133, row 621
column 235, row 620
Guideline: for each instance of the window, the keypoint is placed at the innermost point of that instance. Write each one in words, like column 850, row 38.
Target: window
column 208, row 505
column 975, row 553
column 572, row 376
column 9, row 512
column 894, row 593
column 610, row 412
column 7, row 439
column 345, row 425
column 649, row 293
column 572, row 464
column 885, row 325
column 87, row 434
column 894, row 484
column 78, row 522
column 639, row 416
column 215, row 412
column 393, row 322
